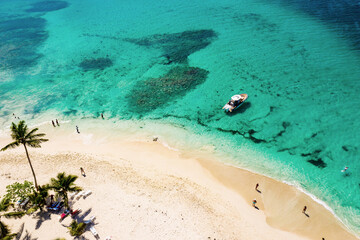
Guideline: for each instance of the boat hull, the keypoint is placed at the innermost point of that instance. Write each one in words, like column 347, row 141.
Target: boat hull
column 229, row 108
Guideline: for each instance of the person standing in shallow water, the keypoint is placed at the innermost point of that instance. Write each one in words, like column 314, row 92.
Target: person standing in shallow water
column 77, row 129
column 57, row 123
column 53, row 123
column 102, row 116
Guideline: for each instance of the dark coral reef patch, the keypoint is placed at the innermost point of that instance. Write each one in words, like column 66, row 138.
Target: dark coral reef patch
column 47, row 6
column 156, row 92
column 19, row 40
column 177, row 47
column 95, row 64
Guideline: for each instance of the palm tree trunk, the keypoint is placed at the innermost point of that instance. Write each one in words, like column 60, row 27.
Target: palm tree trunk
column 66, row 200
column 27, row 154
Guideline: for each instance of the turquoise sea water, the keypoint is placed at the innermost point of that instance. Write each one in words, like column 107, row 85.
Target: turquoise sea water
column 178, row 62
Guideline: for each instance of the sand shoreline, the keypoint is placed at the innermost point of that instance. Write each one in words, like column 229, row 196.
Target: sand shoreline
column 279, row 215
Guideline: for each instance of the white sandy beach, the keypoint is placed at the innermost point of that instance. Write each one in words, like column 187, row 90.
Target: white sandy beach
column 143, row 190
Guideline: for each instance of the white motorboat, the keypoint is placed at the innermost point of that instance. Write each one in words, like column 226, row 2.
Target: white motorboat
column 235, row 102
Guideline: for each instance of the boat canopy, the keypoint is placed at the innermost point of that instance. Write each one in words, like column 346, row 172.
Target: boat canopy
column 236, row 97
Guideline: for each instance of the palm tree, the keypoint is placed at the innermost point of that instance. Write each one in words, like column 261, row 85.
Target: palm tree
column 5, row 234
column 64, row 184
column 22, row 136
column 77, row 229
column 38, row 198
column 4, row 230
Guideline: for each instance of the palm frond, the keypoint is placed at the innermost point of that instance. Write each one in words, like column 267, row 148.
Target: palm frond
column 11, row 145
column 75, row 189
column 36, row 136
column 4, row 230
column 14, row 131
column 21, row 135
column 18, row 131
column 32, row 210
column 14, row 214
column 45, row 187
column 35, row 143
column 5, row 204
column 9, row 237
column 77, row 229
column 22, row 127
column 31, row 133
column 64, row 184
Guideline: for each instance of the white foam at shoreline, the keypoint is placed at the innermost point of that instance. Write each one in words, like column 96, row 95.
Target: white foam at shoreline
column 168, row 147
column 88, row 139
column 293, row 184
column 319, row 201
column 312, row 196
column 48, row 123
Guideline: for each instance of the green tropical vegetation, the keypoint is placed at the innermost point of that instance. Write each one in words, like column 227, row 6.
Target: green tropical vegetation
column 38, row 198
column 77, row 229
column 5, row 232
column 4, row 229
column 23, row 136
column 5, row 204
column 63, row 184
column 19, row 191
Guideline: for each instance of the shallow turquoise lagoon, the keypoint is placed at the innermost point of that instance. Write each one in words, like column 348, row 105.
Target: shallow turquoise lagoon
column 178, row 62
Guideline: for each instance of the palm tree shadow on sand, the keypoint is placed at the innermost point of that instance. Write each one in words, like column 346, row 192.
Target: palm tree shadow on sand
column 20, row 231
column 27, row 236
column 42, row 216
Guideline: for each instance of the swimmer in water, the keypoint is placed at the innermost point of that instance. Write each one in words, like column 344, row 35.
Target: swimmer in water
column 344, row 170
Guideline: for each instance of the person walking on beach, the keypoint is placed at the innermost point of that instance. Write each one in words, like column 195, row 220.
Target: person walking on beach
column 304, row 210
column 82, row 172
column 53, row 123
column 57, row 123
column 254, row 203
column 77, row 129
column 256, row 188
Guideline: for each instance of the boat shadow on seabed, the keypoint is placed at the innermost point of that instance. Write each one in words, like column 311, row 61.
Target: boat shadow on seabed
column 242, row 109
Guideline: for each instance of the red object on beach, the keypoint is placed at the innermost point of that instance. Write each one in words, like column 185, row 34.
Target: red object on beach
column 76, row 212
column 64, row 215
